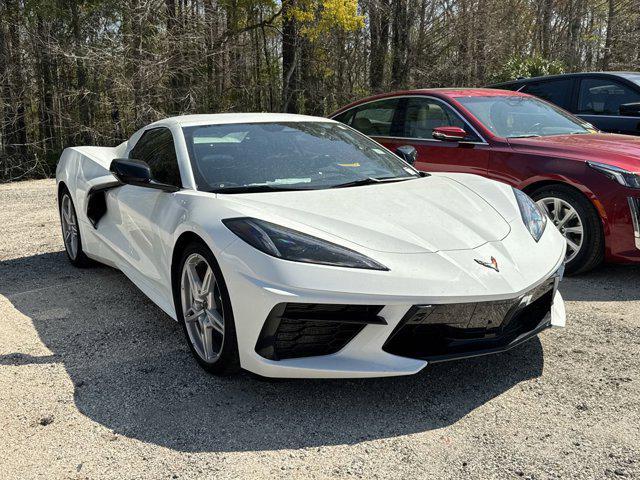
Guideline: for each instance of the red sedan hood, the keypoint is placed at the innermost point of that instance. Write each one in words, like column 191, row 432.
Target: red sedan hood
column 620, row 150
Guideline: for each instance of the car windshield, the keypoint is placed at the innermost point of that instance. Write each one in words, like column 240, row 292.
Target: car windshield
column 519, row 116
column 255, row 157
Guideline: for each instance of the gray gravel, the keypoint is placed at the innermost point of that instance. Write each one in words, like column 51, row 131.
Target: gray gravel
column 97, row 382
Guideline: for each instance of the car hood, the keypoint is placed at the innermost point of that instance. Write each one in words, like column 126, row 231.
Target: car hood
column 430, row 214
column 620, row 150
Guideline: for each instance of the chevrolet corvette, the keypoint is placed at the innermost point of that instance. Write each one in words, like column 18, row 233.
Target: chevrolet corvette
column 294, row 246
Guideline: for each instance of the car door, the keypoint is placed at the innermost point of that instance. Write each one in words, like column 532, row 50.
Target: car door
column 599, row 102
column 139, row 218
column 419, row 116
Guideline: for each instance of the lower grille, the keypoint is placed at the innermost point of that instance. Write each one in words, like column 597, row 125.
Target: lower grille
column 443, row 332
column 296, row 330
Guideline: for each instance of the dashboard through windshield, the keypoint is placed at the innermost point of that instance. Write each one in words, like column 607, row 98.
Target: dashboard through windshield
column 256, row 157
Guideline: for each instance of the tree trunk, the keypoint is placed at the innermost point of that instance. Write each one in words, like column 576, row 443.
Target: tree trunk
column 379, row 31
column 42, row 51
column 608, row 43
column 289, row 58
column 400, row 44
column 547, row 7
column 81, row 78
column 17, row 130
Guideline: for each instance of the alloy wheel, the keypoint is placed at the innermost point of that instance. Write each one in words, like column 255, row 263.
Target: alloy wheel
column 202, row 307
column 69, row 226
column 568, row 221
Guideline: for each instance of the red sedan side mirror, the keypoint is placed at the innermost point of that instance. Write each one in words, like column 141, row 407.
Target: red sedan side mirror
column 449, row 134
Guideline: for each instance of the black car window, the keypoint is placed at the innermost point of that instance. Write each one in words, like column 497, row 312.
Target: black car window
column 554, row 91
column 375, row 118
column 422, row 115
column 602, row 96
column 156, row 148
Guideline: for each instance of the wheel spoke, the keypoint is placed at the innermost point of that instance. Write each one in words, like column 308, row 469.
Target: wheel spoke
column 206, row 335
column 576, row 230
column 572, row 245
column 191, row 315
column 194, row 280
column 215, row 319
column 557, row 206
column 206, row 282
column 546, row 208
column 568, row 216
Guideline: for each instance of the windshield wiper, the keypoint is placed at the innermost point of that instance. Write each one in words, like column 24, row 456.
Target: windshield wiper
column 253, row 189
column 372, row 181
column 528, row 135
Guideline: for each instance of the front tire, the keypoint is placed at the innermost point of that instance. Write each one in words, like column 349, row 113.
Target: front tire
column 203, row 307
column 71, row 231
column 578, row 221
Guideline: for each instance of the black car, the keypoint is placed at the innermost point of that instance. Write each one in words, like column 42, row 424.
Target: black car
column 608, row 100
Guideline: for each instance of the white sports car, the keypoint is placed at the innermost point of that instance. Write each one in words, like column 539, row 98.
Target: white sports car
column 294, row 246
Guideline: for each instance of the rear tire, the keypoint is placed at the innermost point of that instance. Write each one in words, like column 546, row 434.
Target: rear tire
column 203, row 307
column 71, row 231
column 578, row 221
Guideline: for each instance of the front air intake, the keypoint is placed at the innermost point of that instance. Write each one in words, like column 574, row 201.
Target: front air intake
column 296, row 330
column 450, row 331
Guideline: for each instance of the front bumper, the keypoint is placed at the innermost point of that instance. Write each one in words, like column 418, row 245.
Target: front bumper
column 255, row 301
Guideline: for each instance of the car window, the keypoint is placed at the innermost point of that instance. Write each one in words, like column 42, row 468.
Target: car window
column 602, row 96
column 156, row 148
column 554, row 91
column 287, row 155
column 422, row 115
column 523, row 116
column 375, row 118
column 345, row 117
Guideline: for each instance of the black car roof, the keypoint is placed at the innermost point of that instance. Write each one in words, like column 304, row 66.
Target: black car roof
column 626, row 75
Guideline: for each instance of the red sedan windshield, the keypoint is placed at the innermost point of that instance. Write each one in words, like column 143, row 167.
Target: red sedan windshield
column 518, row 117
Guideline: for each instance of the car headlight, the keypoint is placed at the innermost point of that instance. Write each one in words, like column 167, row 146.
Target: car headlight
column 288, row 244
column 617, row 174
column 532, row 215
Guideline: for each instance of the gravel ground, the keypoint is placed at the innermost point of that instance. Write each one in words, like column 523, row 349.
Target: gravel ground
column 97, row 382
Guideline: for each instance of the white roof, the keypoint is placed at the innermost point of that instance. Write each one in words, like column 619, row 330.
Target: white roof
column 226, row 118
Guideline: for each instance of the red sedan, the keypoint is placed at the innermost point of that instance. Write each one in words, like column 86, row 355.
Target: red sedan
column 587, row 181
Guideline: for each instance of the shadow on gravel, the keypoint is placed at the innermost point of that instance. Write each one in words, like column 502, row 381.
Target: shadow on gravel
column 133, row 373
column 609, row 283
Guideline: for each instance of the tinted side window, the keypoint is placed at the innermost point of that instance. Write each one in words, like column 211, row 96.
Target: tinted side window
column 554, row 91
column 422, row 115
column 344, row 117
column 157, row 149
column 601, row 96
column 375, row 118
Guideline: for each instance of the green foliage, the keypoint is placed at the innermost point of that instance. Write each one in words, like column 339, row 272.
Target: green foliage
column 532, row 66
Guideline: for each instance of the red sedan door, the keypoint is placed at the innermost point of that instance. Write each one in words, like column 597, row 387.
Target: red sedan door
column 410, row 120
column 419, row 116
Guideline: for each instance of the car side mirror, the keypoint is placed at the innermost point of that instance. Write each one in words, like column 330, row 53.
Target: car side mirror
column 136, row 172
column 407, row 153
column 449, row 134
column 630, row 109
